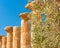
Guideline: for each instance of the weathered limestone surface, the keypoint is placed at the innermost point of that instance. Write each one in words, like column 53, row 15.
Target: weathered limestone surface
column 4, row 42
column 24, row 16
column 9, row 30
column 30, row 6
column 25, row 31
column 16, row 37
column 33, row 5
column 0, row 41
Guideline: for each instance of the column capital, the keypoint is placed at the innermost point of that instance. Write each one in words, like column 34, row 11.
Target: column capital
column 4, row 38
column 34, row 5
column 24, row 16
column 1, row 37
column 9, row 29
column 30, row 5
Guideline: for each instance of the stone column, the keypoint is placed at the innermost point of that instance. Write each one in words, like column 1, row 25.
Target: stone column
column 16, row 37
column 30, row 6
column 3, row 42
column 9, row 30
column 0, row 41
column 25, row 31
column 33, row 5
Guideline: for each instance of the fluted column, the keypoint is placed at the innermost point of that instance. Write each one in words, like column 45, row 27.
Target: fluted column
column 16, row 37
column 3, row 42
column 9, row 30
column 25, row 31
column 0, row 41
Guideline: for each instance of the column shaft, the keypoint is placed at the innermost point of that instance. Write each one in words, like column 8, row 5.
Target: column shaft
column 9, row 30
column 9, row 40
column 25, row 34
column 3, row 42
column 16, row 37
column 0, row 41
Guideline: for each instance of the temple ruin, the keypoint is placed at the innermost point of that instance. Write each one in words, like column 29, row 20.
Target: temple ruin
column 20, row 37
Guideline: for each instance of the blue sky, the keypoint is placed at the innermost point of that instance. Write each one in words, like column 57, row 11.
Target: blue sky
column 9, row 13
